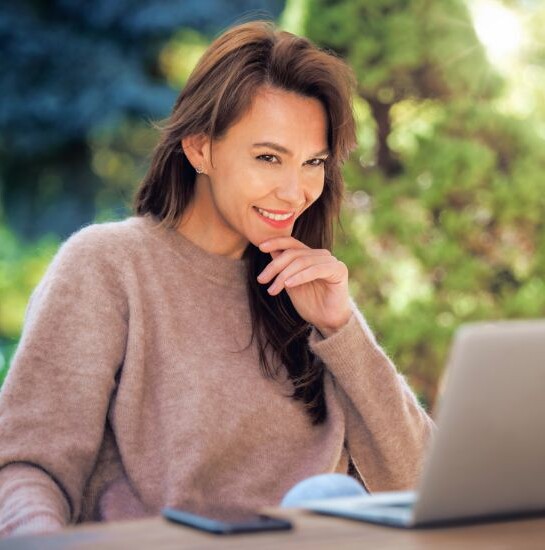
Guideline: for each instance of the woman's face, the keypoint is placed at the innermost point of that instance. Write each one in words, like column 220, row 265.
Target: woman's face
column 264, row 172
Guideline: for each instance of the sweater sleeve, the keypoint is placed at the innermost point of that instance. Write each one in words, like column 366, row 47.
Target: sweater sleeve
column 55, row 398
column 387, row 431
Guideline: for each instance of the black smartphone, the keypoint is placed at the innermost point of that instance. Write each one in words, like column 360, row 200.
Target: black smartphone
column 231, row 522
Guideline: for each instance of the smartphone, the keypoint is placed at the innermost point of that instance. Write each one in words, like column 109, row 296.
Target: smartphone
column 231, row 522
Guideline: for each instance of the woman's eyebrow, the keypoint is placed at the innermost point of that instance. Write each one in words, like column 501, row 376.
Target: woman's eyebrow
column 281, row 149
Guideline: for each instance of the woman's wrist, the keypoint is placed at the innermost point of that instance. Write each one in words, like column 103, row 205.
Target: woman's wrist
column 327, row 331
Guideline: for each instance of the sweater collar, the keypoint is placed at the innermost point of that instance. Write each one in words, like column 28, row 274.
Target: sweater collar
column 219, row 269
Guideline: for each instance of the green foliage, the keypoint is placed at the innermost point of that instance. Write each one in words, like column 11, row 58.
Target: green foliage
column 453, row 230
column 403, row 48
column 21, row 268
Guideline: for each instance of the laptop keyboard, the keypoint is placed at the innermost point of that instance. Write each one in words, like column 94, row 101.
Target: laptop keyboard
column 402, row 505
column 399, row 505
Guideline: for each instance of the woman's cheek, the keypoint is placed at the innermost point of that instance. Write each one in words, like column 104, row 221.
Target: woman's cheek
column 317, row 187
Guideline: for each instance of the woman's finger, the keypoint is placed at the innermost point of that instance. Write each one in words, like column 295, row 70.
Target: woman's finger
column 281, row 260
column 332, row 272
column 281, row 243
column 297, row 266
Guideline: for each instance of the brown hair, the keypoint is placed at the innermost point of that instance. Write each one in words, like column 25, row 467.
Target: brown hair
column 218, row 92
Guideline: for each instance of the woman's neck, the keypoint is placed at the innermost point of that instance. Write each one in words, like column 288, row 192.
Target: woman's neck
column 203, row 229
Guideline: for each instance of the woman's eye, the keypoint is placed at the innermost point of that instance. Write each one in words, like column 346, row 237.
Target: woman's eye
column 268, row 158
column 316, row 162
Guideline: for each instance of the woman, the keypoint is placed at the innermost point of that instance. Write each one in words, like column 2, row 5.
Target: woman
column 205, row 353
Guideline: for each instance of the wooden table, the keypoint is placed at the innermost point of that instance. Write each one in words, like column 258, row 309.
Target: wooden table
column 310, row 532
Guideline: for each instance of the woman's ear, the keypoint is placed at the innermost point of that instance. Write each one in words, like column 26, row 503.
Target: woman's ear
column 197, row 150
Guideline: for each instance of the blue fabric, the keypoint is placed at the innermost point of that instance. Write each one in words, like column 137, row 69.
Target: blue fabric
column 322, row 486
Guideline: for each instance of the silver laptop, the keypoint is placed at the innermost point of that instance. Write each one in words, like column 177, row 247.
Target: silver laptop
column 487, row 458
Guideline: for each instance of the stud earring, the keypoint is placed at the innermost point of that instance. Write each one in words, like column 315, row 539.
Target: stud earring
column 199, row 170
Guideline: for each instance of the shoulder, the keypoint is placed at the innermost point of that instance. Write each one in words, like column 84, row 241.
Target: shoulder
column 106, row 237
column 104, row 243
column 91, row 264
column 97, row 253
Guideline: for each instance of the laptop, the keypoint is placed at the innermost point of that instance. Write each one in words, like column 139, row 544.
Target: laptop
column 487, row 457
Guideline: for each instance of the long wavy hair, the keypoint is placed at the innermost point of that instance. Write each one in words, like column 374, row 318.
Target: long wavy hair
column 218, row 92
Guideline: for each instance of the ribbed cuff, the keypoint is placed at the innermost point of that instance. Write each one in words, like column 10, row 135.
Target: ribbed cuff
column 33, row 524
column 30, row 502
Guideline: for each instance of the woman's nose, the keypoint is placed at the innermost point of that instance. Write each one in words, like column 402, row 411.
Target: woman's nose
column 291, row 190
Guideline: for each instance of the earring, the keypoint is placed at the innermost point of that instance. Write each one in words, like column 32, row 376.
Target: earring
column 199, row 170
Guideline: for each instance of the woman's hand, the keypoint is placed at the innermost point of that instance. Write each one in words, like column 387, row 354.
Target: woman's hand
column 316, row 282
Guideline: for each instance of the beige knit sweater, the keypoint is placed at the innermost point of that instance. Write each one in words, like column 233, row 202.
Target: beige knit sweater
column 133, row 388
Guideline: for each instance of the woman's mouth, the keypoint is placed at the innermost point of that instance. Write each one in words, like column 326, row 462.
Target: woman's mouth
column 276, row 218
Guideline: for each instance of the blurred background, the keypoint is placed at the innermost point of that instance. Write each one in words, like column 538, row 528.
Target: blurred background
column 444, row 216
